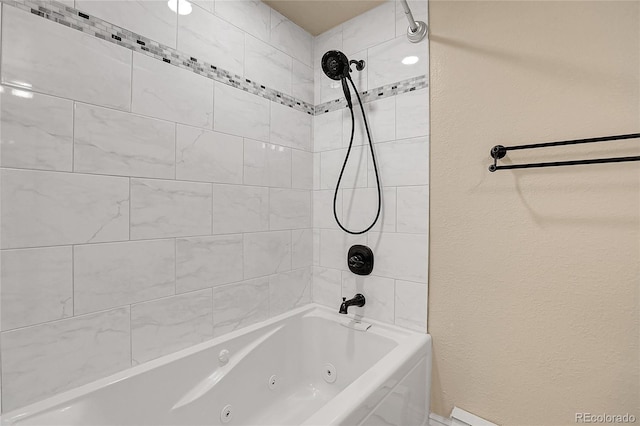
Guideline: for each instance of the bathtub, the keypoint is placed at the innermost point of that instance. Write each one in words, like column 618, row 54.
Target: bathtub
column 309, row 366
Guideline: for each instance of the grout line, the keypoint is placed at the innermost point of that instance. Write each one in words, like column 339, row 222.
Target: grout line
column 148, row 178
column 264, row 231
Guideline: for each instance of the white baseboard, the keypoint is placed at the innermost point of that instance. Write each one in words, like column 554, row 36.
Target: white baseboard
column 459, row 417
column 436, row 420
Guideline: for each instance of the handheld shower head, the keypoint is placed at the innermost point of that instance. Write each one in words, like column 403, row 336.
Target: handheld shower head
column 335, row 65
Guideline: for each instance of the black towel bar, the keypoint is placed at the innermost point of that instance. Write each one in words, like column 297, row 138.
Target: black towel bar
column 500, row 151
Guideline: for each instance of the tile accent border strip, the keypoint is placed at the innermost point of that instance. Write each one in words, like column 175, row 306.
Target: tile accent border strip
column 404, row 86
column 90, row 25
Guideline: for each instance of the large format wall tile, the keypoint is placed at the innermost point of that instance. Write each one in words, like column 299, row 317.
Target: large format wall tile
column 54, row 59
column 37, row 131
column 412, row 112
column 401, row 256
column 203, row 262
column 301, row 169
column 327, row 286
column 302, row 82
column 323, row 208
column 164, row 91
column 290, row 127
column 379, row 293
column 355, row 172
column 118, row 143
column 370, row 28
column 289, row 208
column 385, row 61
column 37, row 286
column 328, row 40
column 211, row 39
column 239, row 305
column 334, row 246
column 52, row 208
column 266, row 253
column 381, row 118
column 316, row 170
column 360, row 207
column 267, row 65
column 403, row 162
column 240, row 209
column 253, row 16
column 266, row 164
column 43, row 360
column 411, row 305
column 289, row 290
column 148, row 18
column 117, row 274
column 290, row 38
column 240, row 113
column 167, row 325
column 208, row 156
column 413, row 209
column 163, row 208
column 327, row 131
column 301, row 248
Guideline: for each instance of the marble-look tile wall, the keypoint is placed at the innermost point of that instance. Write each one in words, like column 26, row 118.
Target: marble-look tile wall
column 396, row 291
column 146, row 208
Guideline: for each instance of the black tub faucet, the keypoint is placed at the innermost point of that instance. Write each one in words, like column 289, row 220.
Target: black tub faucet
column 358, row 300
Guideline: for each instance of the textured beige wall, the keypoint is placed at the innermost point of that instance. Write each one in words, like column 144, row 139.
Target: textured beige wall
column 534, row 275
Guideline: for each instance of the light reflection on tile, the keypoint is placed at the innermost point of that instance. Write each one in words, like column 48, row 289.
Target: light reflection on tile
column 37, row 131
column 63, row 62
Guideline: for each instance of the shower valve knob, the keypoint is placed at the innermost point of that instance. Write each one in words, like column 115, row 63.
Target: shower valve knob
column 360, row 260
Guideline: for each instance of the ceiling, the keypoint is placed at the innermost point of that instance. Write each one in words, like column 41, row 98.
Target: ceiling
column 318, row 16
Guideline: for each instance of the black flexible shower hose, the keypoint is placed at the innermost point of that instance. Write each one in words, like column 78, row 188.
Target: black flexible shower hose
column 344, row 165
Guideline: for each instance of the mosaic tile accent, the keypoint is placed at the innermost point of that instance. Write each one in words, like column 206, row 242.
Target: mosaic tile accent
column 75, row 19
column 408, row 85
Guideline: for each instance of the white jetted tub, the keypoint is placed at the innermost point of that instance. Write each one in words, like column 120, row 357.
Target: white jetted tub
column 304, row 367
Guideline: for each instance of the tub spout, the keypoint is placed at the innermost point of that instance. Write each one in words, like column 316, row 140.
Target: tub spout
column 358, row 300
